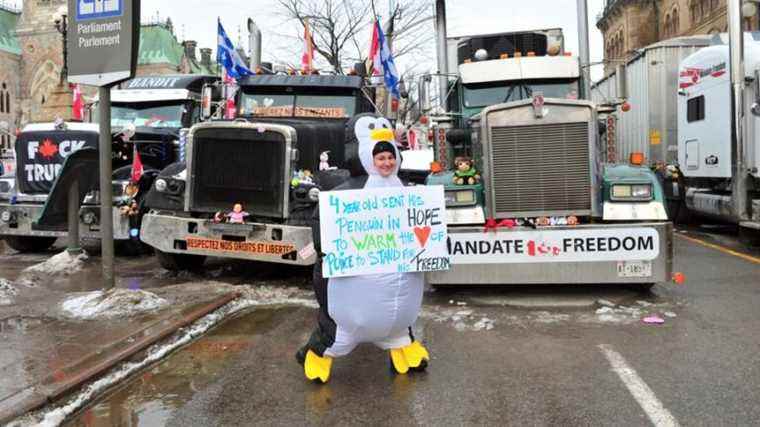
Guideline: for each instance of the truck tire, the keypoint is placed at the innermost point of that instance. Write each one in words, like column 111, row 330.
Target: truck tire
column 29, row 243
column 131, row 247
column 179, row 262
column 643, row 288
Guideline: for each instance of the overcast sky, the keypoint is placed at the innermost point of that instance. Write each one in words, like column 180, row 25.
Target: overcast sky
column 197, row 20
column 194, row 19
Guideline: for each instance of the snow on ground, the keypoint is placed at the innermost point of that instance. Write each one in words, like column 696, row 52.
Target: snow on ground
column 112, row 303
column 7, row 292
column 63, row 263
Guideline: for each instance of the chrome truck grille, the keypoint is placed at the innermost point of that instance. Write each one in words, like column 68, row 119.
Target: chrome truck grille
column 541, row 170
column 238, row 165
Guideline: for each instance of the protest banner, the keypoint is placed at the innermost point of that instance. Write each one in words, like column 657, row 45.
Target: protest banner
column 564, row 245
column 383, row 230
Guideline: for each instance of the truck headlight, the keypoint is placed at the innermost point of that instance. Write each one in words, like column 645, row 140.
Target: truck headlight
column 5, row 216
column 314, row 194
column 626, row 192
column 460, row 197
column 160, row 185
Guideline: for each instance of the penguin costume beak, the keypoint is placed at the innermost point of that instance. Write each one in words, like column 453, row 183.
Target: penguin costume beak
column 383, row 134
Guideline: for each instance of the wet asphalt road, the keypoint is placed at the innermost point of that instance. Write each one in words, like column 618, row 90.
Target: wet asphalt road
column 532, row 367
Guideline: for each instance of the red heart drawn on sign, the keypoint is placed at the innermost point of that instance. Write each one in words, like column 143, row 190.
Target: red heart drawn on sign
column 422, row 234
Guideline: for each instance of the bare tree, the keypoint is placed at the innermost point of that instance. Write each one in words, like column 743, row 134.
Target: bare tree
column 341, row 29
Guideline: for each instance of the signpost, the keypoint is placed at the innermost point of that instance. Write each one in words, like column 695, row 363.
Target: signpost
column 103, row 41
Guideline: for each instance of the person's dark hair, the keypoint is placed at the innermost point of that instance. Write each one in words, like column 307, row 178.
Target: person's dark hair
column 382, row 147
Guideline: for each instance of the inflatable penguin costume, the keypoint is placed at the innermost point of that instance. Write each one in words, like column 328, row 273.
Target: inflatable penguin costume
column 378, row 308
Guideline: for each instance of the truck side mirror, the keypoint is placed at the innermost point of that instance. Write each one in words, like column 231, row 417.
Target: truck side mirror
column 620, row 79
column 755, row 109
column 206, row 95
column 424, row 93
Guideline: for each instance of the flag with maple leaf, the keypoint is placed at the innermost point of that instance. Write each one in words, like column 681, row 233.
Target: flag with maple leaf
column 48, row 149
column 137, row 166
column 77, row 106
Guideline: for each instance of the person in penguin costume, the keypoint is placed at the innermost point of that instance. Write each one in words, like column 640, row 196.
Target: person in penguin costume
column 376, row 308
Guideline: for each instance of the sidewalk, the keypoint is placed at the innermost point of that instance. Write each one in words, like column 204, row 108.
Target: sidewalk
column 46, row 354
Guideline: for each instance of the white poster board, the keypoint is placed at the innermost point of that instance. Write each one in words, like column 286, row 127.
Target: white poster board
column 383, row 230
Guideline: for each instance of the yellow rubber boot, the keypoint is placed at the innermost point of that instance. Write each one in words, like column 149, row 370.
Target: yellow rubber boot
column 411, row 356
column 316, row 367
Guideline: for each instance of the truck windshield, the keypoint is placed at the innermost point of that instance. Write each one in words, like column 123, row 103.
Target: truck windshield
column 147, row 114
column 485, row 94
column 274, row 105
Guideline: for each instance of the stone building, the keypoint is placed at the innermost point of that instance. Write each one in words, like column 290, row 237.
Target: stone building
column 628, row 25
column 32, row 88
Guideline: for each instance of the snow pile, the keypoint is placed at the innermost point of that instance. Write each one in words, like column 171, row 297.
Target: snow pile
column 113, row 303
column 270, row 295
column 610, row 313
column 7, row 292
column 461, row 319
column 63, row 263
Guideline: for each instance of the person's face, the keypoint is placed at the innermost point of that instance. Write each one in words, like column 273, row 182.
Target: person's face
column 385, row 163
column 237, row 208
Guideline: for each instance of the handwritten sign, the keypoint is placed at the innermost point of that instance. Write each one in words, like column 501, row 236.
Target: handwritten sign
column 383, row 230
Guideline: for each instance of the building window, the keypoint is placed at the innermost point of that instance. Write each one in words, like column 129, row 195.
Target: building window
column 5, row 99
column 695, row 109
column 676, row 22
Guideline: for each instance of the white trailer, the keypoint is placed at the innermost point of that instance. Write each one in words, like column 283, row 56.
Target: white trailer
column 651, row 81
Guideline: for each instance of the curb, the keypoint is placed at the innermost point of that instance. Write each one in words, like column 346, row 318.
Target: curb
column 42, row 394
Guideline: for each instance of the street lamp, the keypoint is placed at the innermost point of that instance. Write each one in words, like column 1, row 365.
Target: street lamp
column 61, row 24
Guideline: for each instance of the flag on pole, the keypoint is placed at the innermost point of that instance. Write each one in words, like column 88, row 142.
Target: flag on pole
column 307, row 59
column 373, row 58
column 381, row 55
column 137, row 165
column 229, row 57
column 230, row 88
column 77, row 106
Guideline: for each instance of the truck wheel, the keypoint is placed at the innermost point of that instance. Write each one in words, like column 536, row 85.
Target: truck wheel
column 643, row 288
column 29, row 244
column 131, row 248
column 178, row 262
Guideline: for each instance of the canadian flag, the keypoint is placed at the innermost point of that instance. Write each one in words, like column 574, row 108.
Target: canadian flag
column 374, row 52
column 230, row 87
column 307, row 59
column 77, row 106
column 137, row 165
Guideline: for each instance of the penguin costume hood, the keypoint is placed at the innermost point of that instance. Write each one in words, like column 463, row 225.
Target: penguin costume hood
column 373, row 308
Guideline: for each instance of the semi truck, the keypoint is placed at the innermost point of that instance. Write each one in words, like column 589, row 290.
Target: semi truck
column 681, row 122
column 548, row 209
column 152, row 110
column 267, row 161
column 720, row 177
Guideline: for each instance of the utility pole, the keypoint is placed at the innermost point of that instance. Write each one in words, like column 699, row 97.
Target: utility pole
column 583, row 46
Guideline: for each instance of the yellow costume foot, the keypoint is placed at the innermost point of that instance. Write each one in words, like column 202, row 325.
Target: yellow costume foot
column 414, row 356
column 316, row 367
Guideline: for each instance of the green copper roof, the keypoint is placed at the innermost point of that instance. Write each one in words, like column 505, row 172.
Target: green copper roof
column 8, row 41
column 158, row 46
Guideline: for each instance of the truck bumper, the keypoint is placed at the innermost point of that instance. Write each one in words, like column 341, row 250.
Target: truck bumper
column 251, row 241
column 589, row 267
column 23, row 215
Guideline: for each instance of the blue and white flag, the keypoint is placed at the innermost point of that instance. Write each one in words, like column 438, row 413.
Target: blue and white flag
column 390, row 73
column 229, row 57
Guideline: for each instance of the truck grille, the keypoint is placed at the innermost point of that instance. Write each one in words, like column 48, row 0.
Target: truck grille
column 541, row 169
column 238, row 166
